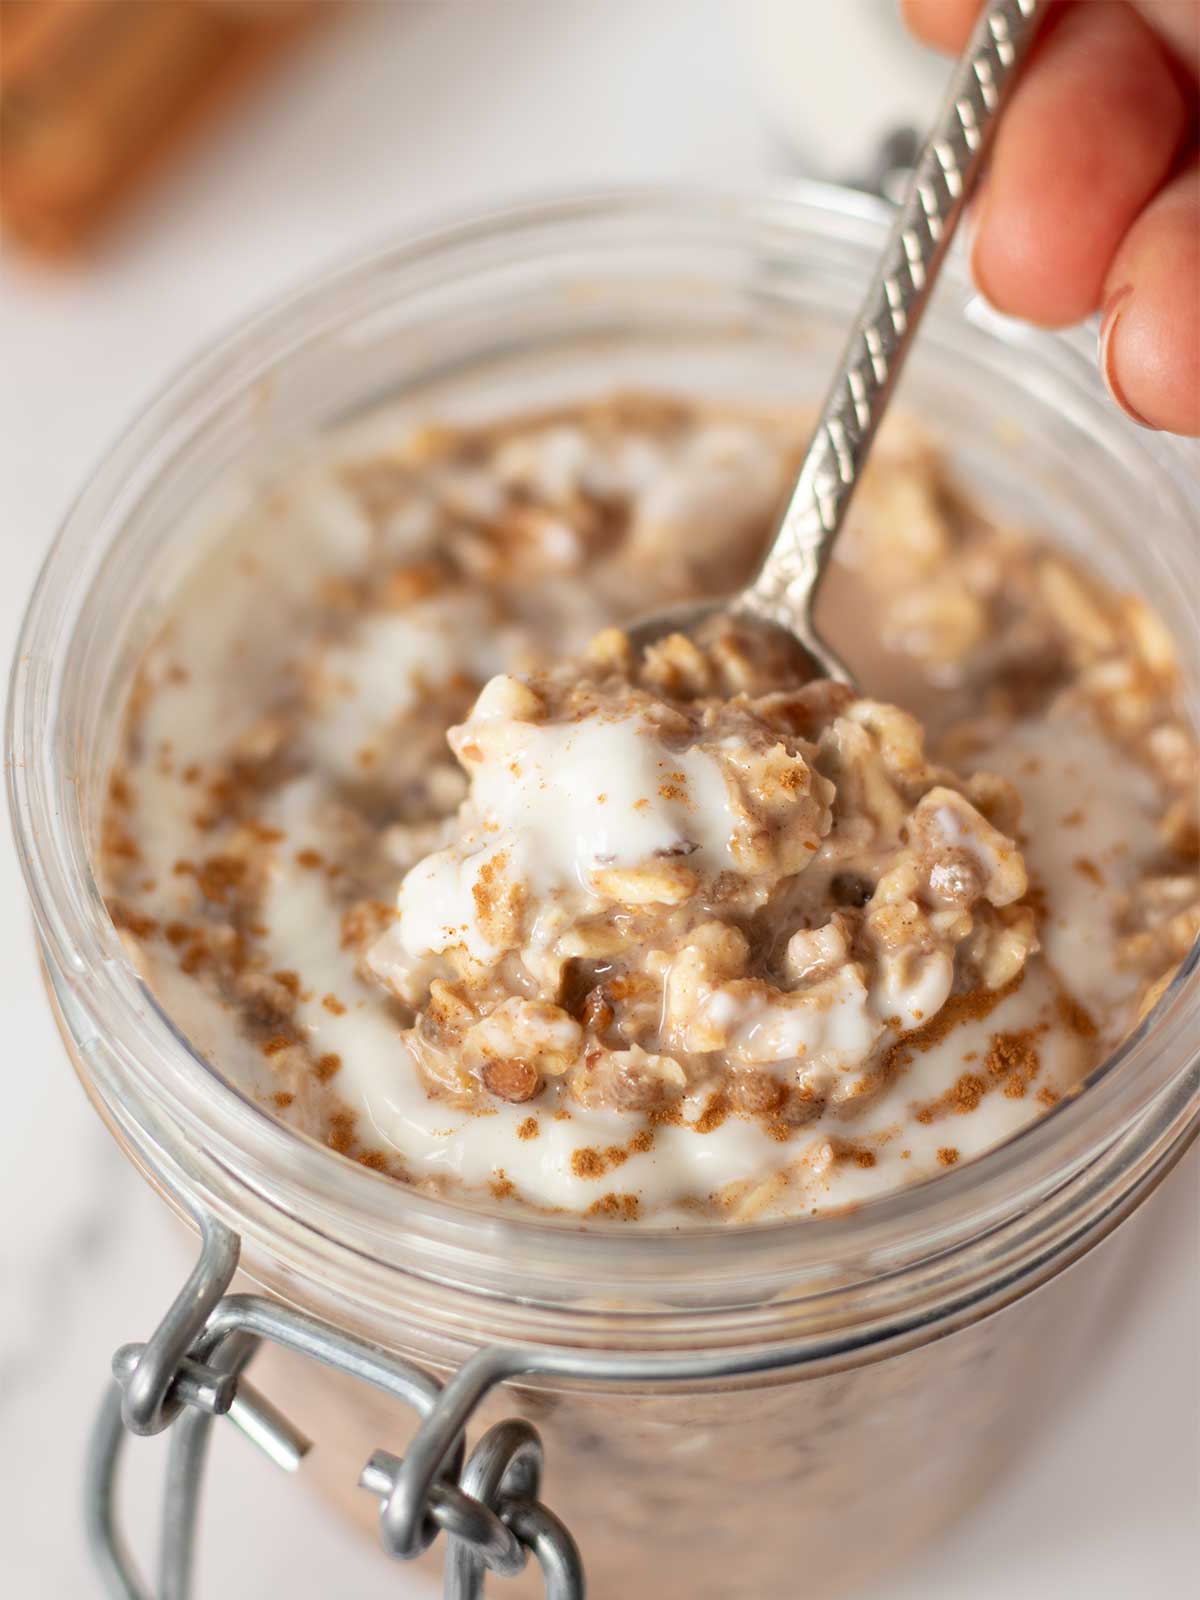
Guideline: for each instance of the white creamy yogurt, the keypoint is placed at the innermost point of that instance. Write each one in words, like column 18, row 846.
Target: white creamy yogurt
column 375, row 675
column 604, row 792
column 1086, row 840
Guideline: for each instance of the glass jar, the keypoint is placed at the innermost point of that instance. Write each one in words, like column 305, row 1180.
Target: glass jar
column 866, row 1374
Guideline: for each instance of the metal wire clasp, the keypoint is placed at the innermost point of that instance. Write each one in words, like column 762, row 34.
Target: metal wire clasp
column 192, row 1369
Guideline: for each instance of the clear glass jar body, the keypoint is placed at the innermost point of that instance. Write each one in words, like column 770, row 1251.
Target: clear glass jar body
column 870, row 1372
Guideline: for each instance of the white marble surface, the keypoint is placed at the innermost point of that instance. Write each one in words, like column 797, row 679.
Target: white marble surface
column 412, row 109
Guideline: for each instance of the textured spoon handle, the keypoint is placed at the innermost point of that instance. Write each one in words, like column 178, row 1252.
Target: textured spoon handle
column 784, row 589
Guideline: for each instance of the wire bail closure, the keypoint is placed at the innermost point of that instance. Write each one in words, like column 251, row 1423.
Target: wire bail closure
column 192, row 1370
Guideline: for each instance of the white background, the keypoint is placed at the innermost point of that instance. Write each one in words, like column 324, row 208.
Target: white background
column 403, row 111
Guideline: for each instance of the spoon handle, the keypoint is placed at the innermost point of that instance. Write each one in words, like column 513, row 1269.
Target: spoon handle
column 786, row 584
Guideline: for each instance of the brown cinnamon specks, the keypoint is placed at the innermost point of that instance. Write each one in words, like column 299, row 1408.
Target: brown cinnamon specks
column 1088, row 869
column 1011, row 1064
column 1074, row 1016
column 326, row 1067
column 716, row 1109
column 947, row 1156
column 588, row 1163
column 134, row 922
column 622, row 1206
column 529, row 1129
column 195, row 957
column 501, row 1185
column 218, row 875
column 845, row 1150
column 364, row 921
column 311, row 859
column 970, row 1007
column 276, row 1043
column 341, row 1131
column 1013, row 1060
column 333, row 1005
column 962, row 1096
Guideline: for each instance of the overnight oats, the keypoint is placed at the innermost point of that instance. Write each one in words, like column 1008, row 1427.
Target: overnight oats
column 421, row 854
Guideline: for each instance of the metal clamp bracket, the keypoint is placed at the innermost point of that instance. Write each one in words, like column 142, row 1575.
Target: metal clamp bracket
column 192, row 1370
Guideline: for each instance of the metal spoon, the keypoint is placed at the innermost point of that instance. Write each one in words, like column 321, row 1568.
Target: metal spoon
column 783, row 593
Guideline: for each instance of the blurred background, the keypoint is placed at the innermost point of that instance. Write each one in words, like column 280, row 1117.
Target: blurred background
column 167, row 166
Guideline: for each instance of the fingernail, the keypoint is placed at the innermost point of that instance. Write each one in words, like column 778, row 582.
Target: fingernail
column 1110, row 317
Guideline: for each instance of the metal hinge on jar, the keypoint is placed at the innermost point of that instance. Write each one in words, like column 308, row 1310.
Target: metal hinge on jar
column 192, row 1369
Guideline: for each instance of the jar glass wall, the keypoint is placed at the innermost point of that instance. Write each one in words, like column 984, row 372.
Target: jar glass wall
column 837, row 1341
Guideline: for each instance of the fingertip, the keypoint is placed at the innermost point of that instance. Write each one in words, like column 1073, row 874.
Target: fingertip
column 1150, row 330
column 943, row 24
column 1017, row 270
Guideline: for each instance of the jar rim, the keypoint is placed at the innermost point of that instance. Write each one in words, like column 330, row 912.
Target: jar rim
column 160, row 1079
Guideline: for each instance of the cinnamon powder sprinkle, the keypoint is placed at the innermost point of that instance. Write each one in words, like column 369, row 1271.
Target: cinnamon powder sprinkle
column 587, row 1163
column 529, row 1129
column 624, row 1206
column 218, row 875
column 177, row 933
column 1088, row 869
column 970, row 1007
column 333, row 1005
column 283, row 1100
column 641, row 1142
column 1074, row 1016
column 947, row 1156
column 288, row 980
column 341, row 1131
column 276, row 1043
column 501, row 1185
column 117, row 843
column 309, row 858
column 124, row 916
column 326, row 1067
column 193, row 959
column 1014, row 1060
column 716, row 1109
column 845, row 1150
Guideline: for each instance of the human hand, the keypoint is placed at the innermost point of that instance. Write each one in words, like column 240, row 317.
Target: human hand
column 1091, row 197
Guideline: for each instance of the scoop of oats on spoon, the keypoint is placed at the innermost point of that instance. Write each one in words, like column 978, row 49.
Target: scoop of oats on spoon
column 783, row 594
